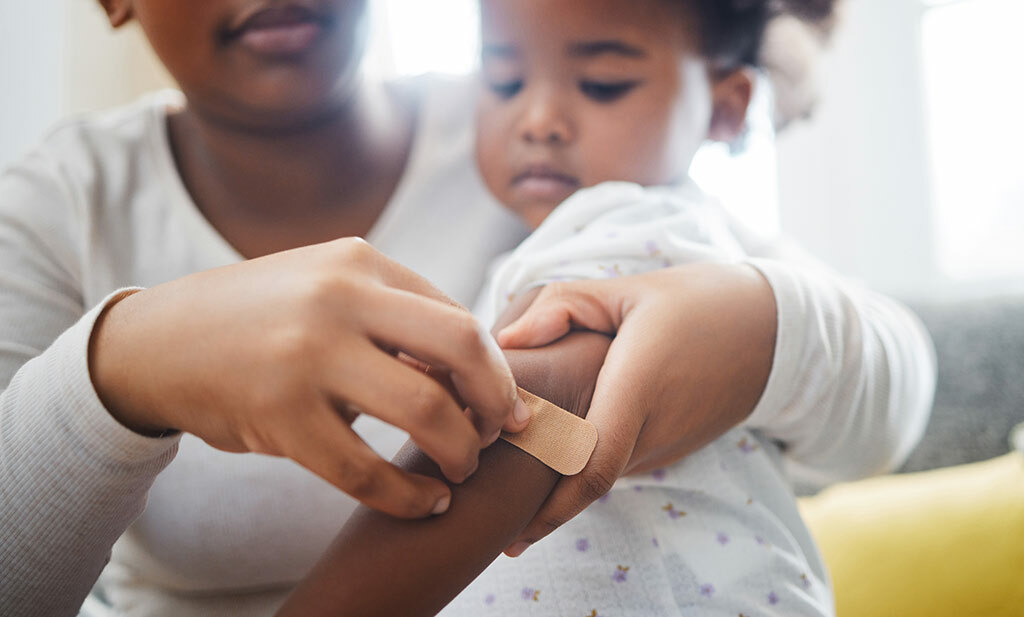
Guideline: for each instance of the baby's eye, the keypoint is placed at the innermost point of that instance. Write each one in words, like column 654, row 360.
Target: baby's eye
column 506, row 89
column 607, row 91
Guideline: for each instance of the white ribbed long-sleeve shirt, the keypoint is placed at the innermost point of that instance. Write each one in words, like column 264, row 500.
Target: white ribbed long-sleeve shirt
column 99, row 206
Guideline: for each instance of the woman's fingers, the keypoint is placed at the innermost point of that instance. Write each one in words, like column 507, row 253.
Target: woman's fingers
column 389, row 389
column 452, row 339
column 326, row 445
column 560, row 307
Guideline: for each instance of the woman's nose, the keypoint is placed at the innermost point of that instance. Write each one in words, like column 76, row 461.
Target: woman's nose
column 544, row 122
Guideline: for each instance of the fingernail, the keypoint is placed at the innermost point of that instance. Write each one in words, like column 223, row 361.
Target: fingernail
column 521, row 413
column 442, row 505
column 472, row 469
column 502, row 337
column 517, row 549
column 490, row 440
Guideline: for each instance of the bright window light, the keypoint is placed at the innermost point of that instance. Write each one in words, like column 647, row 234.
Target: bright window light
column 411, row 37
column 972, row 53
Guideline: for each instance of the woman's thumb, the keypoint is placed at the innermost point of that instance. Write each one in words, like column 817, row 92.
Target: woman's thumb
column 541, row 324
column 560, row 307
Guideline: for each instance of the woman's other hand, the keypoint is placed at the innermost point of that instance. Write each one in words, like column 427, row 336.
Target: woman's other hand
column 691, row 356
column 278, row 355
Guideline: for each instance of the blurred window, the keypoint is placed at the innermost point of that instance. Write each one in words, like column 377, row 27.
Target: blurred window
column 972, row 56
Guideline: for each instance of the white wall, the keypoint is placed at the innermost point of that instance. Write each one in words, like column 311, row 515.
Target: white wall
column 854, row 181
column 31, row 60
column 859, row 185
column 59, row 58
column 105, row 67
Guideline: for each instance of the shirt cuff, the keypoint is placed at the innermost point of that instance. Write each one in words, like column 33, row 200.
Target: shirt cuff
column 790, row 304
column 82, row 416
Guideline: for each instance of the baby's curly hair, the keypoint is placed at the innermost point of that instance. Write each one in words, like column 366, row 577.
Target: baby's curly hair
column 732, row 30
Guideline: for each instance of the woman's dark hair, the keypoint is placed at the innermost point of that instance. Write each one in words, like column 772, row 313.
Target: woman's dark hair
column 731, row 30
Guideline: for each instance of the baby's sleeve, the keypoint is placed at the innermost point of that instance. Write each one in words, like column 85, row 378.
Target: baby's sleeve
column 853, row 376
column 610, row 230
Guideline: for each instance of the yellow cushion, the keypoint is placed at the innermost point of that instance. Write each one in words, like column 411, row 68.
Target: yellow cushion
column 948, row 542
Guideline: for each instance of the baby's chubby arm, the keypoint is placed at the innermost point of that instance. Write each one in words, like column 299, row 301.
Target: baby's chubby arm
column 379, row 565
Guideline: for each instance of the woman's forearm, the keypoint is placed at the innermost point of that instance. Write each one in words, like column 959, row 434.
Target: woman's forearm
column 380, row 565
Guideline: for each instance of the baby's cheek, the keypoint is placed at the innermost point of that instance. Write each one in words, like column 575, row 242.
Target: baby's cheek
column 490, row 157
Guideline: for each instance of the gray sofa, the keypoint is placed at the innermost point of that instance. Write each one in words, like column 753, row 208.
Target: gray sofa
column 980, row 393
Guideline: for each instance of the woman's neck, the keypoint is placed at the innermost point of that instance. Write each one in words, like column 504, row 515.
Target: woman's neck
column 266, row 191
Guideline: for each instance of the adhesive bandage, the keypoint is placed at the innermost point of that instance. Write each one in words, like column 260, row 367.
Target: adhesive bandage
column 557, row 438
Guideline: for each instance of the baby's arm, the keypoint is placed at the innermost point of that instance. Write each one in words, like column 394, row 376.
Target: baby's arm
column 380, row 565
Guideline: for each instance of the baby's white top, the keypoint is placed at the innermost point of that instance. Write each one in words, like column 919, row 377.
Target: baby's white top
column 718, row 533
column 100, row 206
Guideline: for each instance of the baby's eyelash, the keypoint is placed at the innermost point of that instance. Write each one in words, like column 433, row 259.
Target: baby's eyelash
column 506, row 89
column 606, row 92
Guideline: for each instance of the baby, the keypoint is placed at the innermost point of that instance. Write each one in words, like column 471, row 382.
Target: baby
column 590, row 115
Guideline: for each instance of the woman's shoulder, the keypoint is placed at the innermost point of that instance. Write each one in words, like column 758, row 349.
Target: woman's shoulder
column 82, row 186
column 120, row 134
column 96, row 150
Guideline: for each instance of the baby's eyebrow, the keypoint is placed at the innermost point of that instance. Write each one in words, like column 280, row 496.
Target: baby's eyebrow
column 610, row 46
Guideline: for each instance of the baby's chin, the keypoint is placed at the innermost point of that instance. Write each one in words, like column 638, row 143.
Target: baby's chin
column 532, row 213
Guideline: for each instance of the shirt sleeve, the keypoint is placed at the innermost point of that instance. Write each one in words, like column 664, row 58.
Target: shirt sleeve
column 853, row 377
column 71, row 477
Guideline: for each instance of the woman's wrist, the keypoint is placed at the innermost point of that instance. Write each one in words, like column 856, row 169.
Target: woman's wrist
column 109, row 369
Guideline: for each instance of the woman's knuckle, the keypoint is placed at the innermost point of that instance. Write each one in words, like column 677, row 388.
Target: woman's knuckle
column 355, row 250
column 357, row 479
column 596, row 482
column 256, row 441
column 551, row 522
column 471, row 337
column 415, row 503
column 428, row 403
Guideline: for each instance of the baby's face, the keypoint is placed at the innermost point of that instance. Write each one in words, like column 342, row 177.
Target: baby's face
column 578, row 92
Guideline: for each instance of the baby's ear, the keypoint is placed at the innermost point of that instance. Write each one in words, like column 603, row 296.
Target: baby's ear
column 119, row 12
column 730, row 96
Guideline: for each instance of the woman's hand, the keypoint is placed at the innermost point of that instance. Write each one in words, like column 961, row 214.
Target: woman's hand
column 278, row 355
column 692, row 352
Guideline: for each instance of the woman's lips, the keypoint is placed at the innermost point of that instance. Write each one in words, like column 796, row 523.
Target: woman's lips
column 544, row 184
column 277, row 30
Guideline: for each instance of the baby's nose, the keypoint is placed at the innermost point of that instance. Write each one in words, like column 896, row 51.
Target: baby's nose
column 545, row 123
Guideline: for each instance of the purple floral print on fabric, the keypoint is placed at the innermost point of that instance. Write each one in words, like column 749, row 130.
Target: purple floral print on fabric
column 620, row 574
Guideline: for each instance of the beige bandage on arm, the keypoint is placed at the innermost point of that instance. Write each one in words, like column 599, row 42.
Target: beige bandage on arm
column 561, row 440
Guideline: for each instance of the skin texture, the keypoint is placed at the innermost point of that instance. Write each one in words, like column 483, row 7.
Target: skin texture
column 432, row 560
column 284, row 148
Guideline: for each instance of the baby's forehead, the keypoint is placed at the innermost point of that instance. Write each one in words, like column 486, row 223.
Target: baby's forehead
column 566, row 26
